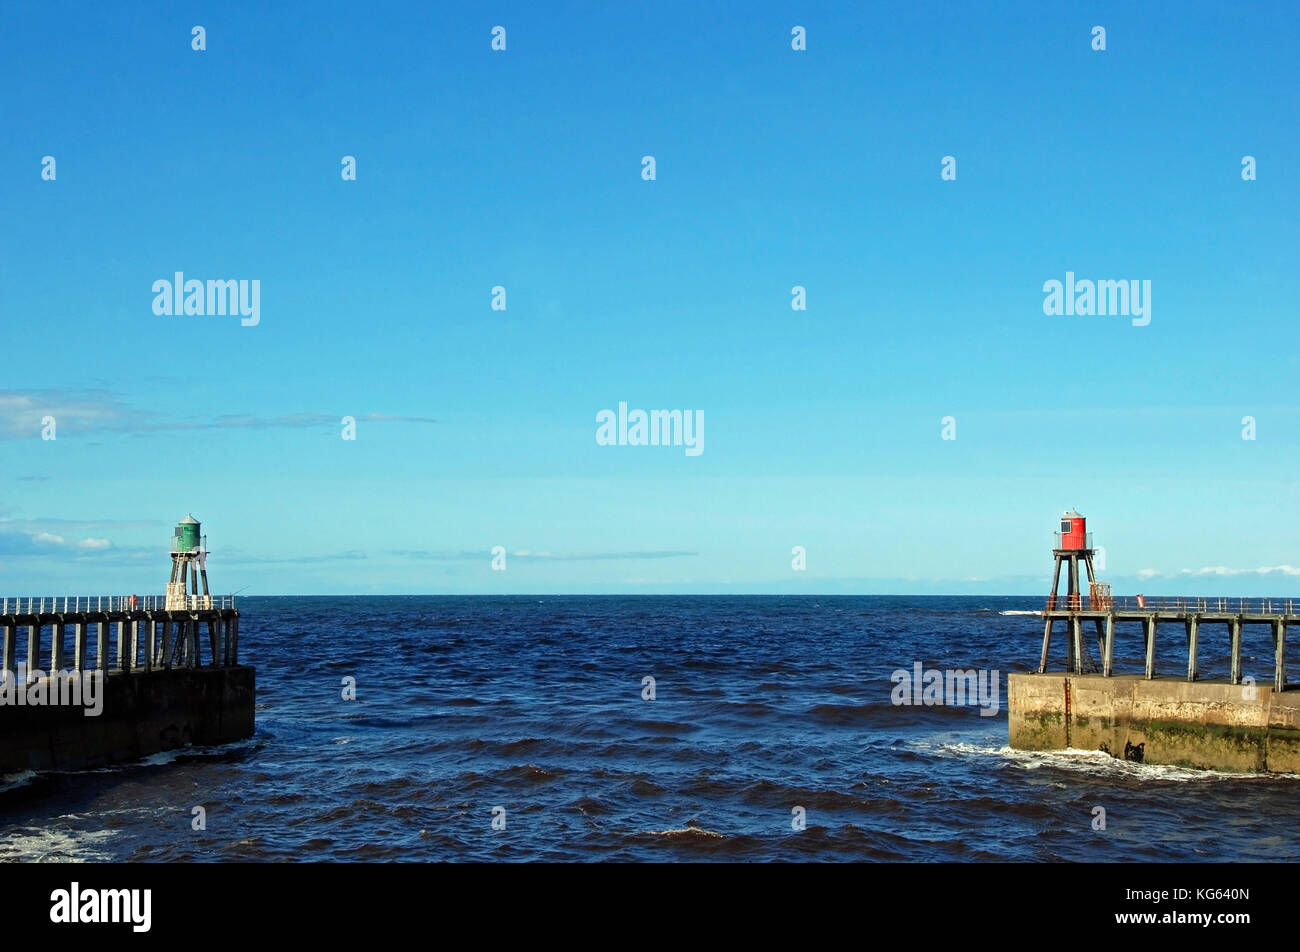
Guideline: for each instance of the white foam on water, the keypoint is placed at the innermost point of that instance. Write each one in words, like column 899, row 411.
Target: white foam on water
column 1098, row 763
column 1017, row 611
column 690, row 832
column 35, row 845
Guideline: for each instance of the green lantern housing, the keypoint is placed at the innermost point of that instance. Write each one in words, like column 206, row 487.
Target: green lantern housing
column 186, row 536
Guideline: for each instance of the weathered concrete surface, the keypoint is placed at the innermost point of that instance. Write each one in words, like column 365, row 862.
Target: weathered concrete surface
column 144, row 713
column 1204, row 724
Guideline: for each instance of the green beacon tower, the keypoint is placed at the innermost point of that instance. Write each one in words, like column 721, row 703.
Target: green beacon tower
column 189, row 564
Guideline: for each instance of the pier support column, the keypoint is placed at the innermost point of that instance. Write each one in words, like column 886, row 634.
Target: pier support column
column 10, row 649
column 133, row 660
column 150, row 641
column 1234, row 627
column 171, row 635
column 234, row 640
column 33, row 650
column 1076, row 643
column 101, row 645
column 1279, row 655
column 79, row 646
column 1109, row 653
column 121, row 643
column 1149, row 627
column 1193, row 634
column 57, row 662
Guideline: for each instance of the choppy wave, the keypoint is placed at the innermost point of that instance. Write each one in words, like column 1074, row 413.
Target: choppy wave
column 516, row 728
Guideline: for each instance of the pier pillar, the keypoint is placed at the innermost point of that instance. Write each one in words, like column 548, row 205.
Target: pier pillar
column 10, row 648
column 101, row 645
column 1042, row 664
column 1279, row 653
column 234, row 640
column 134, row 643
column 171, row 635
column 214, row 642
column 1234, row 627
column 79, row 646
column 1149, row 627
column 121, row 643
column 33, row 650
column 56, row 647
column 1193, row 635
column 1076, row 643
column 1108, row 653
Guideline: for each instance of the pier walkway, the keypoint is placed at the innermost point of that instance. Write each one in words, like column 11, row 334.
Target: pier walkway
column 1105, row 611
column 152, row 632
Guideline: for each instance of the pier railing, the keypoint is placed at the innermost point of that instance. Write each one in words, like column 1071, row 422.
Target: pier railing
column 1174, row 603
column 126, row 633
column 77, row 604
column 1056, row 540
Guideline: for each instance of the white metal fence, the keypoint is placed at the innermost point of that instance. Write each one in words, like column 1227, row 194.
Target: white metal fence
column 72, row 604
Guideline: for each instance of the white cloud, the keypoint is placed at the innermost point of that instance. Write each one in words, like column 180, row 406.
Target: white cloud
column 93, row 544
column 48, row 538
column 1224, row 570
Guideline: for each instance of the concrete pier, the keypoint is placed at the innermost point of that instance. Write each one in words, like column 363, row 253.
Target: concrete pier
column 1207, row 724
column 1228, row 724
column 161, row 684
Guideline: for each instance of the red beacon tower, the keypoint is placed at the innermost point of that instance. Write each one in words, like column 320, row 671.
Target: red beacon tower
column 1073, row 545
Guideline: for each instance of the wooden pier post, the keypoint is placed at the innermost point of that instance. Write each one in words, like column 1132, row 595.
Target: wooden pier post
column 1193, row 634
column 33, row 651
column 79, row 645
column 1234, row 626
column 1109, row 654
column 1042, row 664
column 1149, row 626
column 1279, row 655
column 56, row 647
column 1076, row 644
column 193, row 660
column 10, row 649
column 101, row 644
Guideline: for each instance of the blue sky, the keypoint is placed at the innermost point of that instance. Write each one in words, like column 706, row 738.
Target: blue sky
column 774, row 168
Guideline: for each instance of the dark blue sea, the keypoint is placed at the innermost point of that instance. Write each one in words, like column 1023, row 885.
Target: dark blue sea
column 534, row 705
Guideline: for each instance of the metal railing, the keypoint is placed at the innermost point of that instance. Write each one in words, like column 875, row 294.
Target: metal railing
column 74, row 604
column 1174, row 603
column 1056, row 540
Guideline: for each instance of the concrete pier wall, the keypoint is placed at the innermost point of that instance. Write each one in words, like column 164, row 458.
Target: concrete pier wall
column 143, row 713
column 1204, row 724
